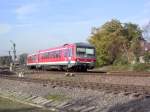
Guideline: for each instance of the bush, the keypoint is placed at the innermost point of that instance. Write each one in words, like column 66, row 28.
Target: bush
column 121, row 61
column 141, row 67
column 120, row 68
column 147, row 57
column 138, row 67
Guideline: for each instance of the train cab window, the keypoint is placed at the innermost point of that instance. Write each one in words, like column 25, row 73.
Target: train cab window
column 81, row 51
column 85, row 52
column 89, row 51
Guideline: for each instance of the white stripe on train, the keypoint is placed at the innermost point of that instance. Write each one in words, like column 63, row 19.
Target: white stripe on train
column 52, row 63
column 55, row 63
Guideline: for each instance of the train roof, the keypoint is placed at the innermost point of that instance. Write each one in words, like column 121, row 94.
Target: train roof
column 79, row 44
column 58, row 47
column 82, row 44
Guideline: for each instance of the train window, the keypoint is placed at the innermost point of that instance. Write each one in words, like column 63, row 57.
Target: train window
column 60, row 53
column 57, row 54
column 66, row 53
column 42, row 56
column 54, row 54
column 89, row 51
column 70, row 53
column 33, row 58
column 81, row 50
column 49, row 54
column 45, row 55
column 85, row 52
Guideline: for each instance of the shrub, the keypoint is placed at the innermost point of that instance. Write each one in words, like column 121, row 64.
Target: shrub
column 147, row 57
column 140, row 67
column 121, row 61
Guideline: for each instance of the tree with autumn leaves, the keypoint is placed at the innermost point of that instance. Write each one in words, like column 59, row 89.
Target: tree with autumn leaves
column 116, row 42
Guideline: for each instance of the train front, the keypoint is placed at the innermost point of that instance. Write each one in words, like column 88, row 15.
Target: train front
column 85, row 56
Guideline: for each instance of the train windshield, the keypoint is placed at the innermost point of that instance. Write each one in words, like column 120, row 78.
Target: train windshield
column 85, row 52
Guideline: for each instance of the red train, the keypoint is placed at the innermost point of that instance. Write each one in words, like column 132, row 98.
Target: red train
column 77, row 57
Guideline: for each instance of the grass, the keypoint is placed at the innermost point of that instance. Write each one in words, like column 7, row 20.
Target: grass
column 7, row 105
column 138, row 67
column 120, row 68
column 57, row 97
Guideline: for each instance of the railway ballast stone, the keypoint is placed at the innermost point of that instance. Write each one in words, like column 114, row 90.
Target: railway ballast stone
column 78, row 99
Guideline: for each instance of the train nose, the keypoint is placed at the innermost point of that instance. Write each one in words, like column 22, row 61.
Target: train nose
column 85, row 60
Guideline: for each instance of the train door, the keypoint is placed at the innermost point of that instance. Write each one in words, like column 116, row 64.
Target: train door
column 68, row 56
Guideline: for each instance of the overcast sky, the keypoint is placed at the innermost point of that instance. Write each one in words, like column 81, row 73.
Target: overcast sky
column 40, row 24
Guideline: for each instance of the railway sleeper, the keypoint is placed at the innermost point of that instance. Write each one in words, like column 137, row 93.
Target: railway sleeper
column 136, row 95
column 127, row 93
column 147, row 96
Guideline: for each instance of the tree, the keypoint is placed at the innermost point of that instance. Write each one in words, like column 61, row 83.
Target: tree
column 114, row 39
column 133, row 34
column 106, row 40
column 23, row 58
column 5, row 60
column 147, row 57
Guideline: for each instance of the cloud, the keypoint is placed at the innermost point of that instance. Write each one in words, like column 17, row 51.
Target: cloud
column 4, row 28
column 26, row 10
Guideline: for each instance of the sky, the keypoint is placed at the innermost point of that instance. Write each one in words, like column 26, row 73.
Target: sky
column 41, row 24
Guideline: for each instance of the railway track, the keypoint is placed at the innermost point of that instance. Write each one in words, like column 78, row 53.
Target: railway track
column 135, row 91
column 98, row 73
column 91, row 72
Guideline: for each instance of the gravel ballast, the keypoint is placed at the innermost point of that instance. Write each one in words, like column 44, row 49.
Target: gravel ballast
column 126, row 80
column 78, row 100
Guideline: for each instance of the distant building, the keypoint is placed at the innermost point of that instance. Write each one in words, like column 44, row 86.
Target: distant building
column 145, row 47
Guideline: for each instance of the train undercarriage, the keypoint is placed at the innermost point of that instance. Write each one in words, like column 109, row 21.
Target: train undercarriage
column 70, row 67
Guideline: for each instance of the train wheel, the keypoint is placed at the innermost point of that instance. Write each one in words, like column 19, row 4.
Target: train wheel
column 84, row 70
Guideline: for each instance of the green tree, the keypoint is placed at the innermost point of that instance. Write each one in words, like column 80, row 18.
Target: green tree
column 133, row 34
column 113, row 40
column 5, row 60
column 106, row 39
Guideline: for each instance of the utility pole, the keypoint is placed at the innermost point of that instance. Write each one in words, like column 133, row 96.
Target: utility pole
column 9, row 52
column 10, row 61
column 12, row 65
column 14, row 50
